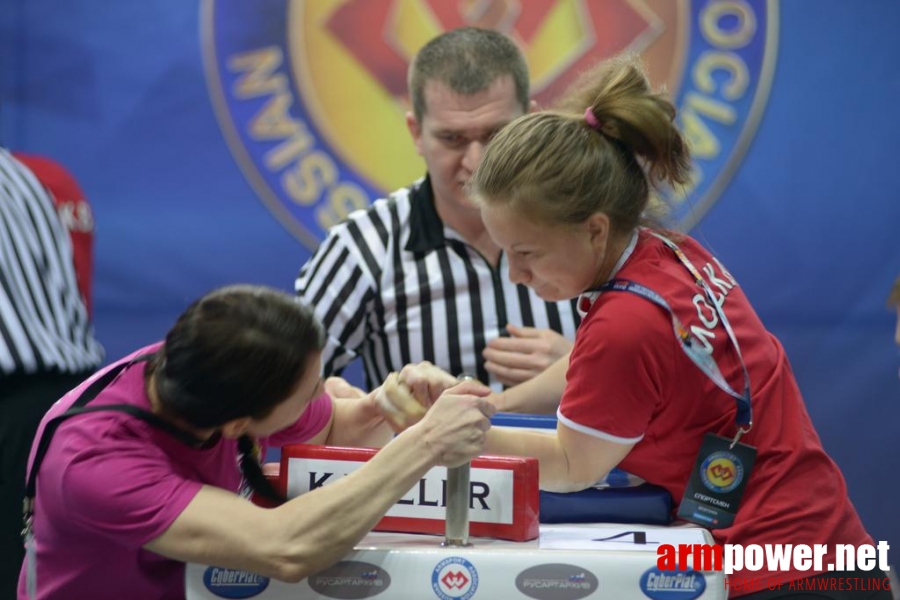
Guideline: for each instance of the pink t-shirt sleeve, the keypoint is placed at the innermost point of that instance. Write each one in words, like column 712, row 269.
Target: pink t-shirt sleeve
column 130, row 495
column 312, row 421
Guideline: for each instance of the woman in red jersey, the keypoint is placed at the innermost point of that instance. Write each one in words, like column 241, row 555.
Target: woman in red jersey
column 671, row 364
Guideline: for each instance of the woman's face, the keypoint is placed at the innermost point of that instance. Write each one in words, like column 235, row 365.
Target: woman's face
column 557, row 261
column 286, row 413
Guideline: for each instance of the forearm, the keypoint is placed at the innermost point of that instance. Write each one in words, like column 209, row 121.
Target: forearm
column 539, row 395
column 305, row 534
column 570, row 460
column 555, row 470
column 315, row 530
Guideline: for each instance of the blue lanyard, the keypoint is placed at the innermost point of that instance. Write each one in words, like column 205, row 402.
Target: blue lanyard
column 692, row 346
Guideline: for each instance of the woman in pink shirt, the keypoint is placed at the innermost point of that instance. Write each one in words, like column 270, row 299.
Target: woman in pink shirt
column 151, row 472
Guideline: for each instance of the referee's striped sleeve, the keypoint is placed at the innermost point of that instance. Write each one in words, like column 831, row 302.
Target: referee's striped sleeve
column 339, row 283
column 44, row 324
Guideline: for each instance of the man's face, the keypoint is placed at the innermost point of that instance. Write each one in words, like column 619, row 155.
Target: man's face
column 454, row 131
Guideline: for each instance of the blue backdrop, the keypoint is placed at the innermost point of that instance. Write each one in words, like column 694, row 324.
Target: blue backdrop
column 808, row 223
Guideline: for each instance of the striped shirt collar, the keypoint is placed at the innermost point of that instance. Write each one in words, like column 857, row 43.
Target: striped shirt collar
column 426, row 228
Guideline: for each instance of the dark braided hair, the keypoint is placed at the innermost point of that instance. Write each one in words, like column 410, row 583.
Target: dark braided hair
column 253, row 473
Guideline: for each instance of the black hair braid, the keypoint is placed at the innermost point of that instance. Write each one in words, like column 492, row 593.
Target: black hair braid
column 252, row 471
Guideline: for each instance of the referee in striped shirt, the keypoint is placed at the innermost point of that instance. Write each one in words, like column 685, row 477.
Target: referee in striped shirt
column 416, row 277
column 47, row 346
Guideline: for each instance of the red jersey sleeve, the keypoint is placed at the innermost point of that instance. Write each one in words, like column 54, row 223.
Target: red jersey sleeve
column 616, row 375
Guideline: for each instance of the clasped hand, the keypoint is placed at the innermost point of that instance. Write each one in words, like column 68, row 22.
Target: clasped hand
column 524, row 354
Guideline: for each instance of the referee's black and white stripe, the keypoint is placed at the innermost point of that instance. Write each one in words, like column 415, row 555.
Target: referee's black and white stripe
column 43, row 321
column 394, row 285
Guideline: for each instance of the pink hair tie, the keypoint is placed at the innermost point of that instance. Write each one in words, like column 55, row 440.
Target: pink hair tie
column 591, row 119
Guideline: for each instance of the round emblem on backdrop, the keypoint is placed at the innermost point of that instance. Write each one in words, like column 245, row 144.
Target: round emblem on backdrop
column 311, row 96
column 722, row 472
column 454, row 578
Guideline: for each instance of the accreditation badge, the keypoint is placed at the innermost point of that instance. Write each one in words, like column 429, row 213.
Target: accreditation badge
column 717, row 482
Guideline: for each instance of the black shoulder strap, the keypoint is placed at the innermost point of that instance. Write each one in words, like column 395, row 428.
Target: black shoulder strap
column 79, row 407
